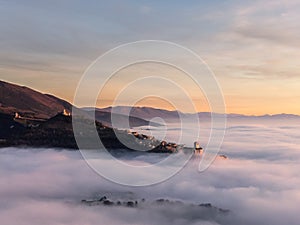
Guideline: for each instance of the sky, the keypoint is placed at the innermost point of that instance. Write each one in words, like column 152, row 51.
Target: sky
column 252, row 47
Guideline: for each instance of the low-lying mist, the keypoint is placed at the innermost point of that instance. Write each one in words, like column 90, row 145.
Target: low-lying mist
column 259, row 183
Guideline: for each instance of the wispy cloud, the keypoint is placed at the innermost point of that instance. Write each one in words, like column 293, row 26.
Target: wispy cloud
column 249, row 40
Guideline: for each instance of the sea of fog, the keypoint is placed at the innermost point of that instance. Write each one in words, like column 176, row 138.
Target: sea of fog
column 259, row 182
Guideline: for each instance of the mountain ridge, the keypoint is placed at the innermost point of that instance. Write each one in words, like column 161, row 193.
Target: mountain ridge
column 34, row 104
column 32, row 119
column 170, row 113
column 28, row 102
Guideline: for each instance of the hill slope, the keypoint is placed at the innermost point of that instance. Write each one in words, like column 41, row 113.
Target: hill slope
column 120, row 120
column 28, row 102
column 146, row 113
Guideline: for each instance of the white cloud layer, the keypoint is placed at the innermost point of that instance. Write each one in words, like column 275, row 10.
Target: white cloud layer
column 259, row 184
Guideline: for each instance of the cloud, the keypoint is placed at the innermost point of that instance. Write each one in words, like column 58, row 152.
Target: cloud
column 259, row 184
column 248, row 40
column 275, row 22
column 261, row 41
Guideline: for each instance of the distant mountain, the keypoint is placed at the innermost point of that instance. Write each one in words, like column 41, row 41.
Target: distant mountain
column 42, row 124
column 120, row 120
column 146, row 113
column 28, row 102
column 266, row 116
column 149, row 113
column 33, row 104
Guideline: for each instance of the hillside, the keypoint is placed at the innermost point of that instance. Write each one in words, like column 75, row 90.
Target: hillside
column 120, row 120
column 28, row 102
column 146, row 113
column 33, row 104
column 57, row 132
column 42, row 124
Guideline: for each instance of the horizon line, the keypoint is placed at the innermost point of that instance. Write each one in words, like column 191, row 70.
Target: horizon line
column 152, row 107
column 71, row 102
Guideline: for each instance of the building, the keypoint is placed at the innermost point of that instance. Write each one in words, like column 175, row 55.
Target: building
column 66, row 113
column 197, row 147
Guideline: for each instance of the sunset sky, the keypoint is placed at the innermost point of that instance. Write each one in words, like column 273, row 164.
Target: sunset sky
column 253, row 47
